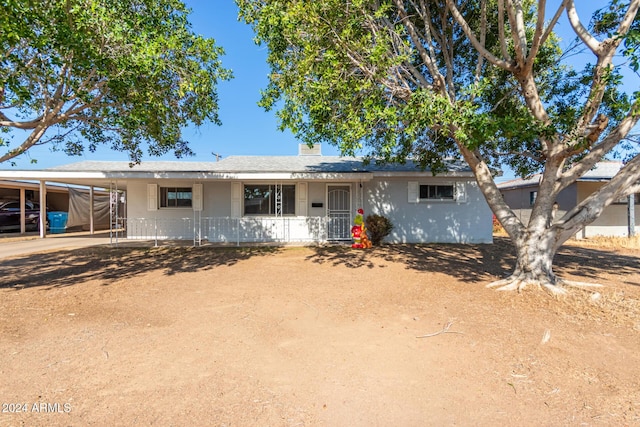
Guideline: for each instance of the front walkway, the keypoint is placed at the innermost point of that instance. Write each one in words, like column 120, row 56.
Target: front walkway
column 15, row 244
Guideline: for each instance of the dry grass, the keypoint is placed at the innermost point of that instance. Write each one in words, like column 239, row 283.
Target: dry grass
column 603, row 242
column 610, row 242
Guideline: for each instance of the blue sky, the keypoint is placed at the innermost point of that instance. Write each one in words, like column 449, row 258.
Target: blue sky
column 246, row 128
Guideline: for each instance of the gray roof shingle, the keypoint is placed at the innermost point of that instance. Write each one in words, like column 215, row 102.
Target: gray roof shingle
column 257, row 164
column 602, row 171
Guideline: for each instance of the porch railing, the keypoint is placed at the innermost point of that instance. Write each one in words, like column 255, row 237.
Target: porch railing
column 230, row 230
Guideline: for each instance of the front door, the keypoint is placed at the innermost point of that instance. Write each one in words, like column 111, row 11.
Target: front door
column 339, row 212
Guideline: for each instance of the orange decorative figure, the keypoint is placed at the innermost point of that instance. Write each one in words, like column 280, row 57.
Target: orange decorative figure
column 359, row 233
column 356, row 235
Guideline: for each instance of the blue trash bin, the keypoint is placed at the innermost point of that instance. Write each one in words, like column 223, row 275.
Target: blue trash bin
column 57, row 221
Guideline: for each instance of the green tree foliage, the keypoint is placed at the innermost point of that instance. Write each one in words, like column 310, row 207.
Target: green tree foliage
column 80, row 73
column 482, row 80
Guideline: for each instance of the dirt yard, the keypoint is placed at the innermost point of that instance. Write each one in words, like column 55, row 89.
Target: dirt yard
column 400, row 335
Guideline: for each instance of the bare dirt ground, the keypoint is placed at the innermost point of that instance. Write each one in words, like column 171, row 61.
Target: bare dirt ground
column 398, row 335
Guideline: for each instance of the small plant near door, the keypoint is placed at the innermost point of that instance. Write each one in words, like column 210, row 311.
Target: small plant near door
column 378, row 227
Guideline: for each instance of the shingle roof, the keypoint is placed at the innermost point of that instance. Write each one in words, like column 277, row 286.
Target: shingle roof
column 602, row 171
column 113, row 166
column 232, row 164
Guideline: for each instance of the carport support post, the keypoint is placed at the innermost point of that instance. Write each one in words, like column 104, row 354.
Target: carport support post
column 23, row 217
column 91, row 210
column 43, row 209
column 631, row 214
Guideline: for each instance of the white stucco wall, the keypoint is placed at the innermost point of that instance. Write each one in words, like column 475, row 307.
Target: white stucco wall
column 436, row 221
column 317, row 194
column 433, row 221
column 163, row 223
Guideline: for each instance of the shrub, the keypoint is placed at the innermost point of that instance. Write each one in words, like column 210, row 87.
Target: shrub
column 378, row 227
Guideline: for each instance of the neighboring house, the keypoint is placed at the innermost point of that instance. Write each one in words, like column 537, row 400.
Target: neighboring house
column 520, row 195
column 304, row 198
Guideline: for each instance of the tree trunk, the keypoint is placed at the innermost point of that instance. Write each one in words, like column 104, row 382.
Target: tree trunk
column 535, row 251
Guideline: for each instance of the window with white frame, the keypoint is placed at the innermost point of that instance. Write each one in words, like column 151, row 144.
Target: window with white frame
column 176, row 197
column 533, row 195
column 442, row 192
column 269, row 199
column 437, row 192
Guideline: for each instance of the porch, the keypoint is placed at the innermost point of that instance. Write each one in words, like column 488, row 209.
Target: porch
column 237, row 231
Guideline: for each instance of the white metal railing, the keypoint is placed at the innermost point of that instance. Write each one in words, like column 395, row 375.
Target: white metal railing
column 230, row 230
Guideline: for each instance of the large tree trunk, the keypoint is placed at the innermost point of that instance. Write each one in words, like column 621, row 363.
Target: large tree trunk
column 535, row 250
column 534, row 264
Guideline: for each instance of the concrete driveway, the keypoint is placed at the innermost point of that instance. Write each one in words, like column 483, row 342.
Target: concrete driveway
column 11, row 246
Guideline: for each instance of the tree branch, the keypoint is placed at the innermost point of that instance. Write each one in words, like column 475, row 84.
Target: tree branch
column 540, row 36
column 591, row 207
column 31, row 140
column 598, row 152
column 503, row 41
column 518, row 30
column 508, row 66
column 424, row 55
column 481, row 171
column 483, row 39
column 551, row 26
column 590, row 41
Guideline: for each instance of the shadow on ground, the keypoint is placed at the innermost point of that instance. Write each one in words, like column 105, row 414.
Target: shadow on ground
column 482, row 262
column 469, row 263
column 70, row 267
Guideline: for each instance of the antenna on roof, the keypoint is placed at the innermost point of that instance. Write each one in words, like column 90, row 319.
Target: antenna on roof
column 218, row 156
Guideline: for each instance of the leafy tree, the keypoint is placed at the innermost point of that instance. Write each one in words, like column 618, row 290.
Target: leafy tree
column 79, row 73
column 484, row 80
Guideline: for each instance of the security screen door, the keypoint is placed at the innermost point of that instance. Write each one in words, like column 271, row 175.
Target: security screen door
column 339, row 212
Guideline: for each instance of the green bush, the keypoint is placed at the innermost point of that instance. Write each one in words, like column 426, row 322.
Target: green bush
column 378, row 227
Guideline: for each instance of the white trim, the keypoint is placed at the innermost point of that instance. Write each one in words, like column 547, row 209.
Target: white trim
column 460, row 192
column 196, row 197
column 302, row 195
column 411, row 174
column 152, row 197
column 236, row 199
column 413, row 192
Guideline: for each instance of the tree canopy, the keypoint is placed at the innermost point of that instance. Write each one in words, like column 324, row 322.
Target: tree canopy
column 486, row 81
column 126, row 73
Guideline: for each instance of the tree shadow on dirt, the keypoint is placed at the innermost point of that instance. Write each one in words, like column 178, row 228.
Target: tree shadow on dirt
column 590, row 263
column 67, row 268
column 480, row 262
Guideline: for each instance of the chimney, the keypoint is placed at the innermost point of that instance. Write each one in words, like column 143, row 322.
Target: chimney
column 305, row 150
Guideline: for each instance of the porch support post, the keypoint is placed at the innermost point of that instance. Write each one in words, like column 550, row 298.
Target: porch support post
column 631, row 214
column 43, row 209
column 278, row 188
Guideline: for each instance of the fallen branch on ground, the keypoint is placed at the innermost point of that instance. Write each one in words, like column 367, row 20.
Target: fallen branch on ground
column 444, row 330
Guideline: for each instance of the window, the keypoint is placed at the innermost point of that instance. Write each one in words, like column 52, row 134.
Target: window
column 175, row 197
column 436, row 192
column 533, row 195
column 260, row 199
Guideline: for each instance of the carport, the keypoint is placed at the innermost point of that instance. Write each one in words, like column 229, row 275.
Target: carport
column 50, row 189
